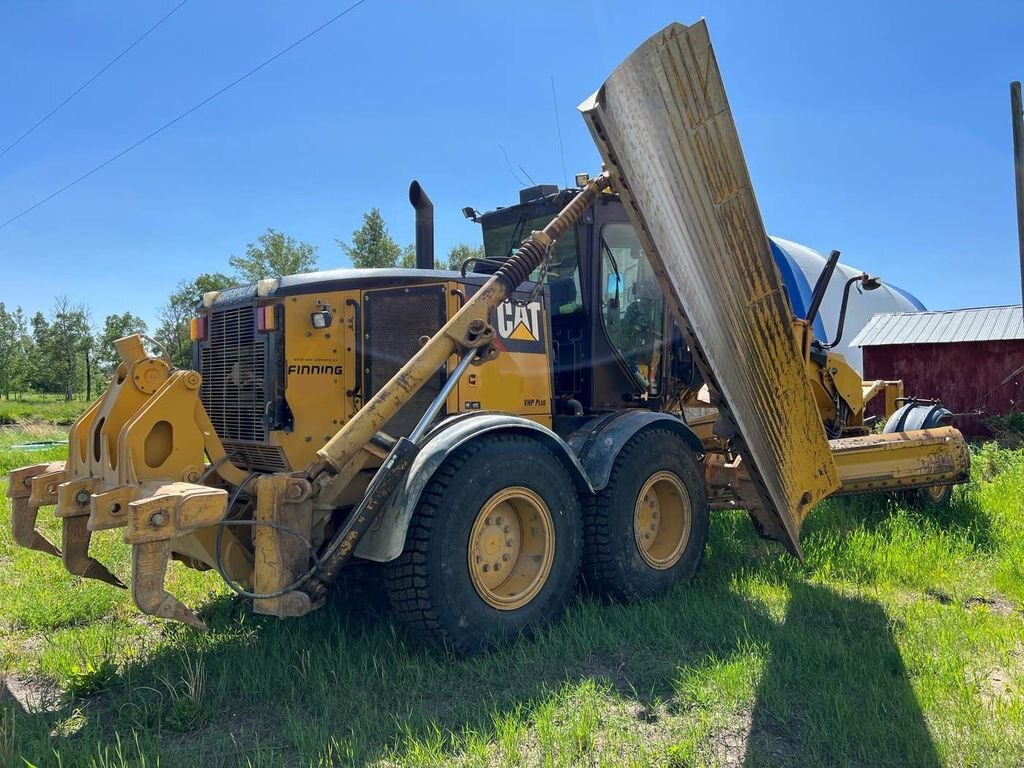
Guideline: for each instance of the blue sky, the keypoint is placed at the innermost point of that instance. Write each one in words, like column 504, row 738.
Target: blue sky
column 880, row 129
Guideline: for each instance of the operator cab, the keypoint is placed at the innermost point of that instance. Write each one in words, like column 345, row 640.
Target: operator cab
column 608, row 316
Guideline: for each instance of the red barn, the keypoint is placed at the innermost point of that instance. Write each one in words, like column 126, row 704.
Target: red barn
column 971, row 359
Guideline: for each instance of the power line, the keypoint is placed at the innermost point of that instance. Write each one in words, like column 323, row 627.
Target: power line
column 185, row 114
column 88, row 82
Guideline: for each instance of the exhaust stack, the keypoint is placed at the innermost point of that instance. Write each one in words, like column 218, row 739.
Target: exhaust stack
column 424, row 226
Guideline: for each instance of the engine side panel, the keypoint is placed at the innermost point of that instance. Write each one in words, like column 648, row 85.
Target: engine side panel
column 277, row 395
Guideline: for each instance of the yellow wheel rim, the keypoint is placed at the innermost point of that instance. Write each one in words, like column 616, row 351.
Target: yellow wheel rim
column 662, row 520
column 511, row 548
column 935, row 492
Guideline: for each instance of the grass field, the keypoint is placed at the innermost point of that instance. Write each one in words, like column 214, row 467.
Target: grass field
column 900, row 642
column 32, row 408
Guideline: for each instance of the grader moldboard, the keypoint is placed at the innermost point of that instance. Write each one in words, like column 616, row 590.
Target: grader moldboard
column 310, row 434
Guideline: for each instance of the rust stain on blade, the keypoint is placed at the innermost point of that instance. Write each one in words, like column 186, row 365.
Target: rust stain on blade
column 663, row 126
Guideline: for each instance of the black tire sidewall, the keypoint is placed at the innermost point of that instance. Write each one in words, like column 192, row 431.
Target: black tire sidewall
column 626, row 575
column 499, row 465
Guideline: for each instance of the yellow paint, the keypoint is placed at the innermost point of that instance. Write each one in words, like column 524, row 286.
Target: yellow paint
column 522, row 333
column 511, row 548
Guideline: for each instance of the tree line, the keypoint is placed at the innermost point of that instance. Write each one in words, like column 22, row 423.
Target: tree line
column 67, row 352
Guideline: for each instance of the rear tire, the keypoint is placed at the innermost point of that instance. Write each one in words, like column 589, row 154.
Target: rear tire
column 493, row 548
column 646, row 530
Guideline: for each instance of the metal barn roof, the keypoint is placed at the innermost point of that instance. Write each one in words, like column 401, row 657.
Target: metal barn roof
column 950, row 326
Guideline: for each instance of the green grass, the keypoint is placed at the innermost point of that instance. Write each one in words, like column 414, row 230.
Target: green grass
column 33, row 407
column 899, row 642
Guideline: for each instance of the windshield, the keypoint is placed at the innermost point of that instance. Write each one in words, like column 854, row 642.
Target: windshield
column 563, row 274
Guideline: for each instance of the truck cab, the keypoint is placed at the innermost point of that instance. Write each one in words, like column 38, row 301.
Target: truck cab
column 608, row 318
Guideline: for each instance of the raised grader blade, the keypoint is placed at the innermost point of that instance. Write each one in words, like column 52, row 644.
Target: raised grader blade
column 665, row 131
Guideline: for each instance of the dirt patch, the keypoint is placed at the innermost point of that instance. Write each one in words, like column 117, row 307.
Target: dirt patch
column 997, row 604
column 609, row 666
column 33, row 695
column 997, row 687
column 729, row 744
column 745, row 734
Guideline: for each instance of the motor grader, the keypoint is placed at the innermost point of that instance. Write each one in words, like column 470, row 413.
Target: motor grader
column 481, row 435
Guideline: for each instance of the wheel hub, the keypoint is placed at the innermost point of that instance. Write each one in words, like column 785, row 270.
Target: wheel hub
column 662, row 520
column 511, row 548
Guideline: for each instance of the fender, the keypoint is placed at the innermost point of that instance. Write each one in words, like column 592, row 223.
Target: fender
column 598, row 443
column 386, row 538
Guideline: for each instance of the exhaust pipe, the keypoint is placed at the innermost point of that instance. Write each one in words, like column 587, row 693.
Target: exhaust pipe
column 424, row 226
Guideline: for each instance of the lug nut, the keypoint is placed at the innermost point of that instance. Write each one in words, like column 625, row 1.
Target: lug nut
column 487, row 568
column 508, row 542
column 506, row 558
column 497, row 566
column 507, row 529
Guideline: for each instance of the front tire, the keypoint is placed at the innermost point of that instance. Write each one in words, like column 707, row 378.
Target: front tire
column 646, row 530
column 493, row 548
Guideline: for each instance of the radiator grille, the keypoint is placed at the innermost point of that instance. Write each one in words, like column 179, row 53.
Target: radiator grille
column 234, row 370
column 265, row 458
column 395, row 319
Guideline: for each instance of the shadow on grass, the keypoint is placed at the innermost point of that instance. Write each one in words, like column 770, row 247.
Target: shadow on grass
column 835, row 690
column 346, row 685
column 963, row 516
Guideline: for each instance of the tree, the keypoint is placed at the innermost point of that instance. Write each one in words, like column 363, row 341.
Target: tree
column 461, row 252
column 372, row 245
column 24, row 353
column 114, row 328
column 272, row 255
column 14, row 351
column 65, row 344
column 180, row 308
column 41, row 376
column 408, row 258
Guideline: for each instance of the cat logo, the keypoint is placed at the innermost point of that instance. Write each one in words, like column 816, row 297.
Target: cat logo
column 519, row 323
column 520, row 327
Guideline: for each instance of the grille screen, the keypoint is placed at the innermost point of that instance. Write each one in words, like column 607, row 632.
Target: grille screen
column 266, row 458
column 234, row 375
column 395, row 319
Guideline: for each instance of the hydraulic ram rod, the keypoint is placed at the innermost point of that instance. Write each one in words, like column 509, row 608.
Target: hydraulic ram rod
column 468, row 329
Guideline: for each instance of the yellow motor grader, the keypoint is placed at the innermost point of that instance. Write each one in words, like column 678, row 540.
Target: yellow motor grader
column 486, row 433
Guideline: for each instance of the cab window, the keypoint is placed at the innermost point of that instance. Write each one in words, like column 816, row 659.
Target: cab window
column 632, row 304
column 563, row 269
